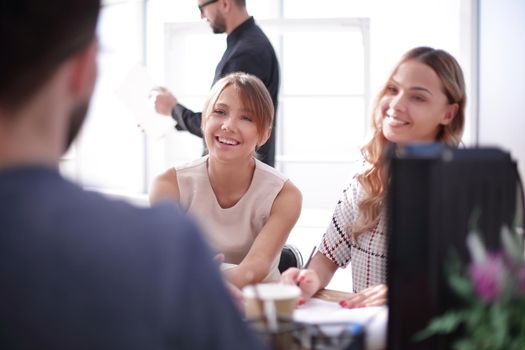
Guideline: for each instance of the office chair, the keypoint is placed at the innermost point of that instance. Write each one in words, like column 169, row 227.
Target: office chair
column 290, row 257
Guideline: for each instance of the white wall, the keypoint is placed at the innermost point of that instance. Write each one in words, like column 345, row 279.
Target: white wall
column 502, row 76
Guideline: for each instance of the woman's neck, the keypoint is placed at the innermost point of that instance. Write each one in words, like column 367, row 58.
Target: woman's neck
column 230, row 180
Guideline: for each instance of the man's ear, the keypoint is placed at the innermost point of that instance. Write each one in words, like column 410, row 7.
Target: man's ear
column 450, row 114
column 225, row 5
column 84, row 70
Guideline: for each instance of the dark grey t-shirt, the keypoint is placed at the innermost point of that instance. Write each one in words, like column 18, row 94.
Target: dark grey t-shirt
column 79, row 271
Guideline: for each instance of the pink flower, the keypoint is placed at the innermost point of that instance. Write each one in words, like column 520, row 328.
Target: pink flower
column 488, row 277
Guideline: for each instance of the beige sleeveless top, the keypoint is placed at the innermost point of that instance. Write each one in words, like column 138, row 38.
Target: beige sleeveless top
column 231, row 231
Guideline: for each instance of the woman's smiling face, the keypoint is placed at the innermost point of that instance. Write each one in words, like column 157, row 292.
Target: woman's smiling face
column 414, row 106
column 230, row 130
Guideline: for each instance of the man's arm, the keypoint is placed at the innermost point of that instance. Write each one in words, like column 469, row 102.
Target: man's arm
column 187, row 119
column 167, row 104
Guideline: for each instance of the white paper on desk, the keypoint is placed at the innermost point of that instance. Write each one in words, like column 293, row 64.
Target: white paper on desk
column 321, row 311
column 135, row 91
column 374, row 319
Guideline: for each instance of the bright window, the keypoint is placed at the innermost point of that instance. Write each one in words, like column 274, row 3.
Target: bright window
column 333, row 58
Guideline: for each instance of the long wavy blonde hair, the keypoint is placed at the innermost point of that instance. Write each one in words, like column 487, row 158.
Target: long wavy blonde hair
column 374, row 178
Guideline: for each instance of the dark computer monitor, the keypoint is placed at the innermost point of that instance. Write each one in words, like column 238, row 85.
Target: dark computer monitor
column 433, row 192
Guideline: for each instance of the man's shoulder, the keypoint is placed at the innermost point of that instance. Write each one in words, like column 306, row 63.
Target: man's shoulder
column 97, row 213
column 63, row 210
column 256, row 41
column 159, row 219
column 253, row 38
column 249, row 53
column 147, row 231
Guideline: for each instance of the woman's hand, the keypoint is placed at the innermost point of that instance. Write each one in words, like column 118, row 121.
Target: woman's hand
column 371, row 296
column 311, row 280
column 307, row 280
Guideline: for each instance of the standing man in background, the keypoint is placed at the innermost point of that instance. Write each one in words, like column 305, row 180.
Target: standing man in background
column 79, row 271
column 248, row 50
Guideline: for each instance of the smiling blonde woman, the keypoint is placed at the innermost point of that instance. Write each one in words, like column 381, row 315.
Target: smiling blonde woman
column 246, row 207
column 422, row 101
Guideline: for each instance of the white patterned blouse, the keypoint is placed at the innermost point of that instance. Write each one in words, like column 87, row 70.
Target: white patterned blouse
column 367, row 253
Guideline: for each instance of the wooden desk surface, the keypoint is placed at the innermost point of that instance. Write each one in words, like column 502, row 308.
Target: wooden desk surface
column 331, row 295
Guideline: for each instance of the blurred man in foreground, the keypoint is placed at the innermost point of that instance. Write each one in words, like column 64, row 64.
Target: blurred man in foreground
column 79, row 271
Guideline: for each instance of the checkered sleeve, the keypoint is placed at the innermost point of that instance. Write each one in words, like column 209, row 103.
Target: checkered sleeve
column 335, row 244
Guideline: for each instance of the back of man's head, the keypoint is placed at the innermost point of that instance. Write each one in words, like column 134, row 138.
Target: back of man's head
column 38, row 35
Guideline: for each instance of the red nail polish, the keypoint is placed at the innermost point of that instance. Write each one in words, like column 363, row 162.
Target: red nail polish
column 300, row 280
column 342, row 303
column 301, row 301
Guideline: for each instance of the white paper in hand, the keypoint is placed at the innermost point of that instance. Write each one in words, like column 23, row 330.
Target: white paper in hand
column 135, row 91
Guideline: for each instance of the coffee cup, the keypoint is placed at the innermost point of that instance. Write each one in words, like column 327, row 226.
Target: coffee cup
column 284, row 298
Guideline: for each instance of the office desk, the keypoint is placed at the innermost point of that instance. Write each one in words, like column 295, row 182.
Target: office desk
column 331, row 295
column 324, row 308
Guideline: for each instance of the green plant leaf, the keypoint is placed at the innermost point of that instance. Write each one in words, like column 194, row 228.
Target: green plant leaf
column 464, row 344
column 461, row 286
column 498, row 322
column 476, row 248
column 512, row 244
column 457, row 280
column 498, row 325
column 444, row 324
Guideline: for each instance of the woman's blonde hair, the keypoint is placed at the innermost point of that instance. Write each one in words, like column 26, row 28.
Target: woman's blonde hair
column 254, row 97
column 375, row 178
